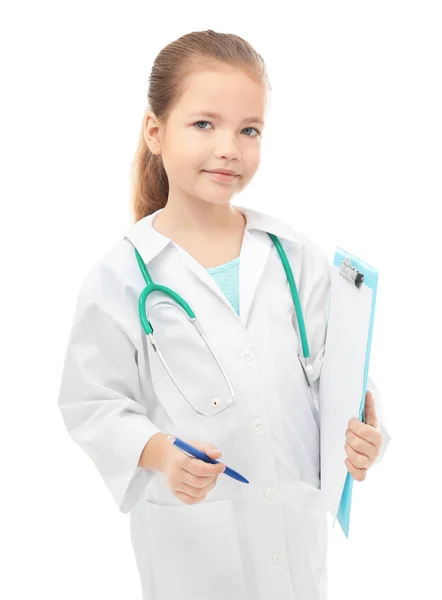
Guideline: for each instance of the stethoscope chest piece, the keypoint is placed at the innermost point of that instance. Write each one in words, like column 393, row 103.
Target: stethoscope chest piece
column 308, row 370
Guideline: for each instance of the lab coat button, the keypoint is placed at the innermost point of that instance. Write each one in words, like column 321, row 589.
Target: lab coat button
column 258, row 425
column 247, row 355
column 278, row 558
column 271, row 493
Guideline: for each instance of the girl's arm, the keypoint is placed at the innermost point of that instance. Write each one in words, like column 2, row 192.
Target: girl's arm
column 100, row 404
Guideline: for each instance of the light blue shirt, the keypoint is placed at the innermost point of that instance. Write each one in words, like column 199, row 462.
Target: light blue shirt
column 227, row 277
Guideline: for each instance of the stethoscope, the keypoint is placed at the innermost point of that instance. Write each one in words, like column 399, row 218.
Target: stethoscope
column 153, row 287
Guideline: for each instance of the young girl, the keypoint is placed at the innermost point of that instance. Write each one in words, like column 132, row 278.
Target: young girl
column 197, row 533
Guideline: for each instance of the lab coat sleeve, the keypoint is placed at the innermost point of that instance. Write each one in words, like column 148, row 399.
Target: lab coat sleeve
column 99, row 400
column 386, row 437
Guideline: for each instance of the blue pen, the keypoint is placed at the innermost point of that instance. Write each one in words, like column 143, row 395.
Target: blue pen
column 191, row 451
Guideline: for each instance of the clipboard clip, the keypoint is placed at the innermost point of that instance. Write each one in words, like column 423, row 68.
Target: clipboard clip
column 347, row 270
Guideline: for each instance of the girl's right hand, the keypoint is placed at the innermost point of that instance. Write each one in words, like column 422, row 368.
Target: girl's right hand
column 189, row 478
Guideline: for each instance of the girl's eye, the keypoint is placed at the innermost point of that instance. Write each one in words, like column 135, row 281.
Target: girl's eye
column 257, row 131
column 200, row 122
column 203, row 129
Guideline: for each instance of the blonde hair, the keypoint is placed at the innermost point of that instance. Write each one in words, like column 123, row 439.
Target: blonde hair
column 190, row 52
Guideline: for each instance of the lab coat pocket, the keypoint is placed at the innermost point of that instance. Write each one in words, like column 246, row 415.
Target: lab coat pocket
column 194, row 551
column 204, row 390
column 315, row 521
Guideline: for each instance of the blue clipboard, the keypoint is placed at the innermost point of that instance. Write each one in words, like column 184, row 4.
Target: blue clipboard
column 370, row 279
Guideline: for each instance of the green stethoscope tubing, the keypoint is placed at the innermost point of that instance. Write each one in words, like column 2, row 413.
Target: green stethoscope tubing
column 295, row 296
column 153, row 287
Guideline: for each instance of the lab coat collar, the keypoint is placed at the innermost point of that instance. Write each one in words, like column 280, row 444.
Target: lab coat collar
column 150, row 242
column 255, row 252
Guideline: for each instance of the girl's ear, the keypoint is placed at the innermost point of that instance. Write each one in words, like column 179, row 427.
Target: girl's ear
column 152, row 132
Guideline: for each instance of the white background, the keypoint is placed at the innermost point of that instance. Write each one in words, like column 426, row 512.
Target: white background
column 351, row 156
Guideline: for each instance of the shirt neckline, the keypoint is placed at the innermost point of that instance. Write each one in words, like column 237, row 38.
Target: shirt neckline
column 223, row 267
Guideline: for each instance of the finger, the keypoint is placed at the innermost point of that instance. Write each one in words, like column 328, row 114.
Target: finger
column 195, row 492
column 200, row 468
column 187, row 499
column 370, row 410
column 360, row 445
column 358, row 474
column 361, row 461
column 194, row 480
column 363, row 430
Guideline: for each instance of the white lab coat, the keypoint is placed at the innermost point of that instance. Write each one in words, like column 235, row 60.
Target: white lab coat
column 266, row 539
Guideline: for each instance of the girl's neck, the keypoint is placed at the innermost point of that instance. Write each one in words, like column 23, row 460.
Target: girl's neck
column 211, row 247
column 209, row 220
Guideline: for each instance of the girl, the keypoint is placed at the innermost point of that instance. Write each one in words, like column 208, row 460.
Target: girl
column 196, row 532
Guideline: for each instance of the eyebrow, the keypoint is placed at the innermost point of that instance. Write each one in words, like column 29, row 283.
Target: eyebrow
column 215, row 115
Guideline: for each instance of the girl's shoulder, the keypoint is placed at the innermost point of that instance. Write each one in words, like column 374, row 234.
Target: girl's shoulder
column 116, row 269
column 112, row 285
column 294, row 240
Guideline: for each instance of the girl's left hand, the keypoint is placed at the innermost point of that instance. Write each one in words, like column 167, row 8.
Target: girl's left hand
column 363, row 441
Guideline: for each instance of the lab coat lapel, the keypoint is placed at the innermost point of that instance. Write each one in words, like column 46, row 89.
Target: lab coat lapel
column 204, row 277
column 149, row 243
column 254, row 256
column 255, row 252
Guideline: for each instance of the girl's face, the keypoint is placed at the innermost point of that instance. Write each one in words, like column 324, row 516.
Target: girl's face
column 193, row 142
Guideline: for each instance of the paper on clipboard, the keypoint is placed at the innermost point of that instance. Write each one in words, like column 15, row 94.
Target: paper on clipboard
column 343, row 380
